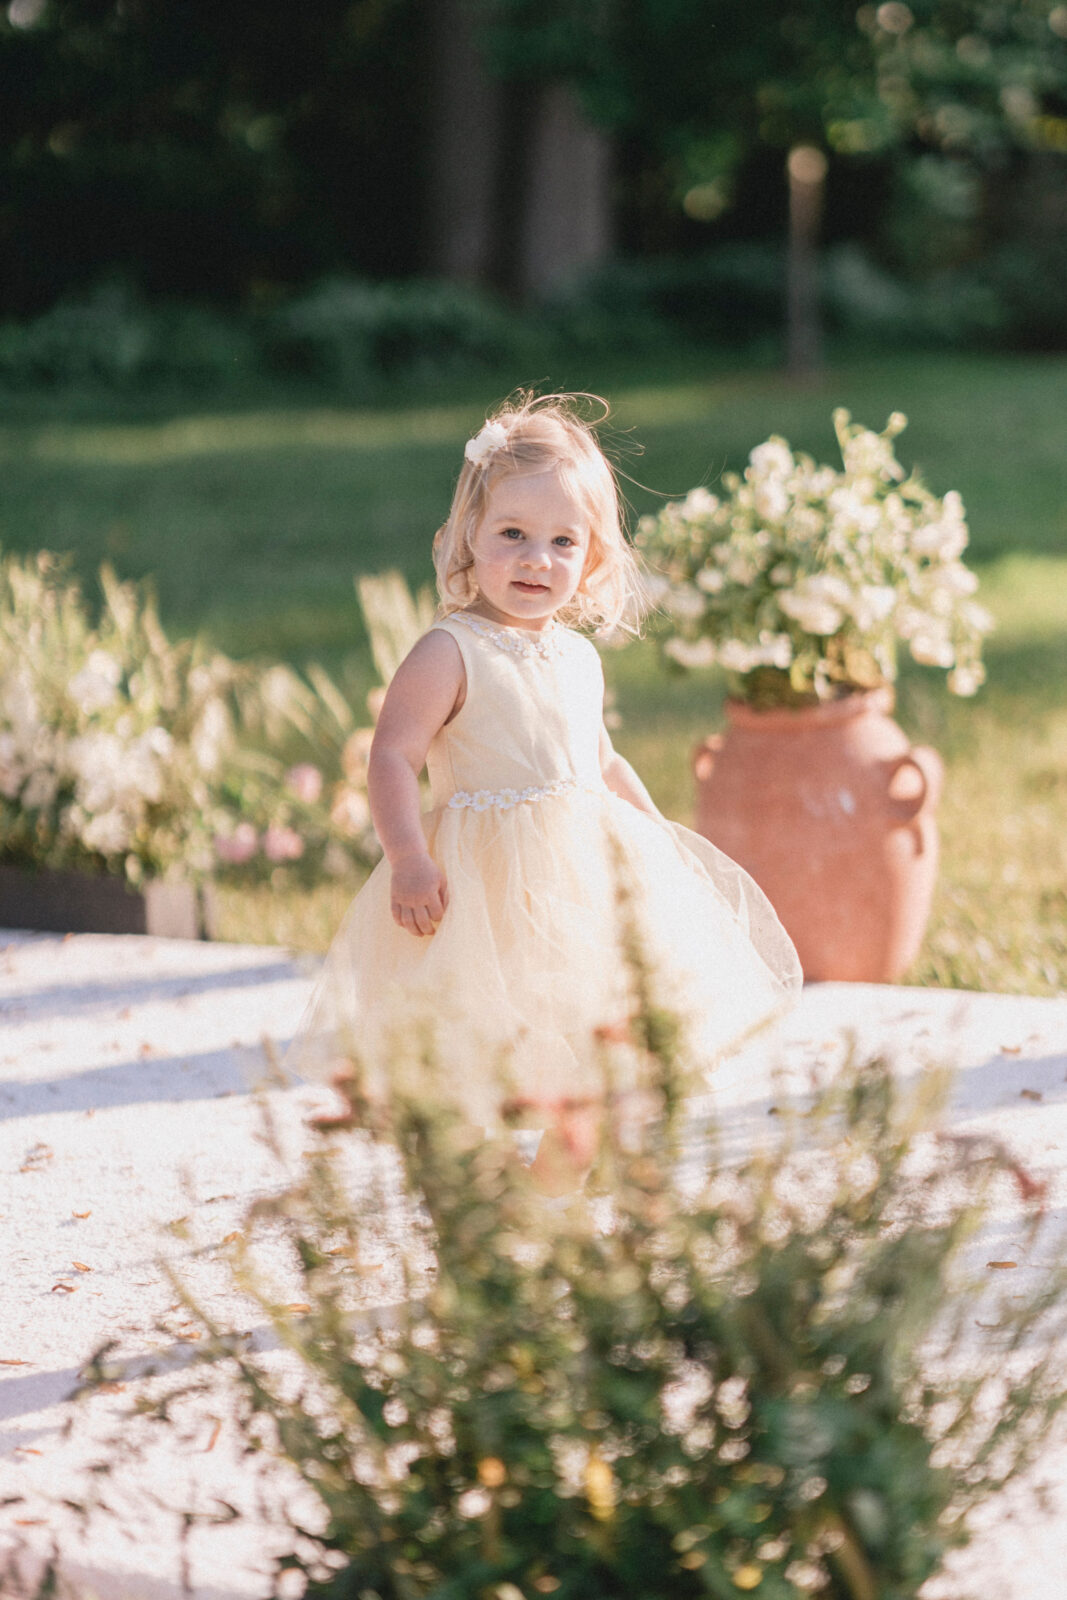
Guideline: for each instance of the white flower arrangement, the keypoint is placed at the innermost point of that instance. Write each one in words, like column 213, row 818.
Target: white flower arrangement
column 125, row 753
column 800, row 580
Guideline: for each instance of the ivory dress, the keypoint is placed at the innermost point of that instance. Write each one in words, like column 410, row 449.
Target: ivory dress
column 540, row 859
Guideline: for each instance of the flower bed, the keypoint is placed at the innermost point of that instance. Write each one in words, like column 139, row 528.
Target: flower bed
column 122, row 753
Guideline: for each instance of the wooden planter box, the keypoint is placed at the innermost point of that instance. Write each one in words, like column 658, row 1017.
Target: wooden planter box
column 77, row 902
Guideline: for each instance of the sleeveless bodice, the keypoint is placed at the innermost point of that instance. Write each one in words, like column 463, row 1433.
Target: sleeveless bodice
column 530, row 723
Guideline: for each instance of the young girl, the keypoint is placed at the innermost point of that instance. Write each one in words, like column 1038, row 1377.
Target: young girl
column 493, row 923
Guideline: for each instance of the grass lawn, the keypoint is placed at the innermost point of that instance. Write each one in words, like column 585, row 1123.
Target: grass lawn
column 253, row 522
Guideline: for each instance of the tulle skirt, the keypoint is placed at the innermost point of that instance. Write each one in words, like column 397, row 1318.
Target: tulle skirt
column 559, row 913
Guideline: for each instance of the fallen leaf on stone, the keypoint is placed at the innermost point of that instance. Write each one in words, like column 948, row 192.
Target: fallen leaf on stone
column 27, row 1450
column 216, row 1430
column 299, row 1305
column 64, row 1288
column 146, row 1048
column 81, row 1214
column 1030, row 1094
column 1002, row 1265
column 36, row 1158
column 32, row 1522
column 190, row 1336
column 230, row 1237
column 1011, row 1049
column 14, row 1361
column 80, row 1266
column 110, row 1388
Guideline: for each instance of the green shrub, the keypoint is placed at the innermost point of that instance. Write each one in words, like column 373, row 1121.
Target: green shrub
column 112, row 338
column 784, row 1376
column 730, row 296
column 347, row 333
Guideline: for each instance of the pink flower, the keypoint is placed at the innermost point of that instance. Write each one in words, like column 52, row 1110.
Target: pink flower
column 305, row 781
column 282, row 844
column 239, row 847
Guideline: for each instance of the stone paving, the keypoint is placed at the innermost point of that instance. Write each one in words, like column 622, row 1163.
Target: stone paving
column 127, row 1067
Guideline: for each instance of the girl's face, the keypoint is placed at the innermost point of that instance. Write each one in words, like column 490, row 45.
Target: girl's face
column 529, row 549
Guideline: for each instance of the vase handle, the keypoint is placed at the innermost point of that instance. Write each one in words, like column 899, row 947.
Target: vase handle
column 929, row 767
column 704, row 756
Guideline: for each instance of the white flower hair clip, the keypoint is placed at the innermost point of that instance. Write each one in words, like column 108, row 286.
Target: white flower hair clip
column 492, row 436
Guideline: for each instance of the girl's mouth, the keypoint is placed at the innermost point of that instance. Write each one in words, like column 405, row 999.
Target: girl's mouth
column 531, row 588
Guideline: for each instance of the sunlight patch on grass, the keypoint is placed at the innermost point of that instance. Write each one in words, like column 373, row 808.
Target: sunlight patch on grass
column 185, row 438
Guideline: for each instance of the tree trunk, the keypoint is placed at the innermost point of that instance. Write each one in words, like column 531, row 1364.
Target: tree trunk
column 566, row 217
column 806, row 169
column 464, row 160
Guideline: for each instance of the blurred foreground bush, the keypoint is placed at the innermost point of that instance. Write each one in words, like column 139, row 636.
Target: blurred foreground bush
column 789, row 1376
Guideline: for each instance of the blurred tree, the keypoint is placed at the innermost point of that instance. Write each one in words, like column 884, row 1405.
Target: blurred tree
column 209, row 149
column 701, row 89
column 235, row 150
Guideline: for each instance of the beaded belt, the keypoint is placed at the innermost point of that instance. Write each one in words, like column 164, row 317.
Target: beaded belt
column 505, row 799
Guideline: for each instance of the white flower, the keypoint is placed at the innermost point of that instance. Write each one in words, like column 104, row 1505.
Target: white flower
column 852, row 511
column 946, row 539
column 736, row 656
column 782, row 573
column 776, row 649
column 773, row 459
column 96, row 761
column 95, row 687
column 739, row 569
column 957, row 578
column 211, row 736
column 690, row 653
column 493, row 436
column 710, row 579
column 932, row 650
column 976, row 617
column 872, row 604
column 818, row 603
column 815, row 616
column 108, row 833
column 699, row 503
column 684, row 602
column 772, row 500
column 966, row 680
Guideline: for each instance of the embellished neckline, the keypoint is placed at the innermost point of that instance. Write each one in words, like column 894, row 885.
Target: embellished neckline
column 546, row 644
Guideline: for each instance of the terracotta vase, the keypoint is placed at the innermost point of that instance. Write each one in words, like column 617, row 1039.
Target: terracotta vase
column 831, row 810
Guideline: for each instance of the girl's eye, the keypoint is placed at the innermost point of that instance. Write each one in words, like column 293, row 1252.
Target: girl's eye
column 564, row 539
column 512, row 533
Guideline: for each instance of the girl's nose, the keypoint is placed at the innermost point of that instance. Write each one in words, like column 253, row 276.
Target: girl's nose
column 536, row 556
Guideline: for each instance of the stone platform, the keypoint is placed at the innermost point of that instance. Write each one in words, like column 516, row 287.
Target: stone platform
column 127, row 1067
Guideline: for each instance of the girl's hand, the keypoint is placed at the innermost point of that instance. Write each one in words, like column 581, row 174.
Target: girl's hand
column 419, row 894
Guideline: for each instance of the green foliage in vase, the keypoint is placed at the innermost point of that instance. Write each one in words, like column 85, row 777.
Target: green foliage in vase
column 801, row 579
column 789, row 1375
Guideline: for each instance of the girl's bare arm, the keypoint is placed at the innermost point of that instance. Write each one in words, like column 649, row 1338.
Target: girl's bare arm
column 621, row 778
column 426, row 690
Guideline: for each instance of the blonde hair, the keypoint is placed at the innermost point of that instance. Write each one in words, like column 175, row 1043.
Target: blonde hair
column 531, row 434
